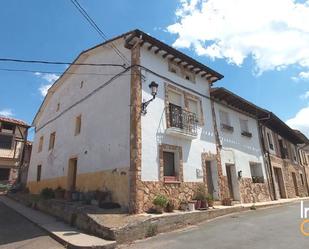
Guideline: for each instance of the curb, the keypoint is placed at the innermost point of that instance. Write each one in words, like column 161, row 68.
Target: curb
column 63, row 242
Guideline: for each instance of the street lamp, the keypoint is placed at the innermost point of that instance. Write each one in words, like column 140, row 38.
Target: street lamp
column 154, row 90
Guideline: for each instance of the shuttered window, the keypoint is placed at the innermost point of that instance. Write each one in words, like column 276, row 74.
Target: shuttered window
column 6, row 141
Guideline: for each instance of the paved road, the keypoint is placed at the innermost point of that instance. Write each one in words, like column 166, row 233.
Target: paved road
column 272, row 228
column 18, row 232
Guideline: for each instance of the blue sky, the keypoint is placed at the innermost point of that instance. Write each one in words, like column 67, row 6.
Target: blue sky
column 53, row 30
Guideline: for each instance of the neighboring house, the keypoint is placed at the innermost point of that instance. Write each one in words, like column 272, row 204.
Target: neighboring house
column 281, row 145
column 275, row 149
column 242, row 160
column 23, row 171
column 13, row 136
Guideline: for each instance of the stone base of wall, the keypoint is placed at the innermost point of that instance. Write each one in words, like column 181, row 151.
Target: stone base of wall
column 253, row 192
column 116, row 181
column 177, row 192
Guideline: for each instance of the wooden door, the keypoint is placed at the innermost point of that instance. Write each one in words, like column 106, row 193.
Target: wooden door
column 72, row 171
column 230, row 180
column 295, row 184
column 210, row 184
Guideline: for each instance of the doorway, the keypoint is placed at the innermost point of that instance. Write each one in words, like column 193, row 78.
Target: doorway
column 72, row 171
column 295, row 184
column 210, row 183
column 279, row 183
column 230, row 172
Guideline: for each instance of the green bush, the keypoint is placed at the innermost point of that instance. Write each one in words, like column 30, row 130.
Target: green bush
column 160, row 200
column 200, row 193
column 209, row 197
column 47, row 193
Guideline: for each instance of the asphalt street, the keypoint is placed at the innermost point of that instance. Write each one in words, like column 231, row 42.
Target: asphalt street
column 271, row 228
column 18, row 232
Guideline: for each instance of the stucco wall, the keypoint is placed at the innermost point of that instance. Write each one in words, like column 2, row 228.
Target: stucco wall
column 154, row 122
column 103, row 143
column 238, row 149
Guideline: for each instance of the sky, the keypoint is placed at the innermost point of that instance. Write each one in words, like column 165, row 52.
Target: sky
column 263, row 54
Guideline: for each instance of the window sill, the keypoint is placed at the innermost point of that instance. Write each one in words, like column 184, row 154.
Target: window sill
column 170, row 179
column 171, row 182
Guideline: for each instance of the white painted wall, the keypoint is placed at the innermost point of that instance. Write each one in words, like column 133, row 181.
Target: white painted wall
column 238, row 149
column 104, row 139
column 154, row 123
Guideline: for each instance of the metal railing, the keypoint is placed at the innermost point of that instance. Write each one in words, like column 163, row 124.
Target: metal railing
column 182, row 119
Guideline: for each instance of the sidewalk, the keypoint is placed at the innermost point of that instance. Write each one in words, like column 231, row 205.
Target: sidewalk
column 63, row 233
column 118, row 227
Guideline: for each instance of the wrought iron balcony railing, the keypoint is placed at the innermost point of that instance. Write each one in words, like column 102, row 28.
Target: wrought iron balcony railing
column 183, row 120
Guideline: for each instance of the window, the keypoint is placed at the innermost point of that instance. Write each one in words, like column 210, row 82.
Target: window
column 6, row 141
column 270, row 141
column 302, row 179
column 244, row 128
column 58, row 107
column 194, row 107
column 294, row 152
column 256, row 173
column 7, row 128
column 78, row 123
column 225, row 121
column 41, row 144
column 52, row 140
column 38, row 173
column 169, row 171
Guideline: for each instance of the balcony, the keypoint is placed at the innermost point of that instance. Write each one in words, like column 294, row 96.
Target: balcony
column 181, row 122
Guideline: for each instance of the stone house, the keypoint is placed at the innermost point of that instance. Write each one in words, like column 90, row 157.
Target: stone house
column 281, row 144
column 135, row 117
column 13, row 137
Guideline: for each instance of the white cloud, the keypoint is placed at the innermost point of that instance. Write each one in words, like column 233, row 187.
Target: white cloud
column 49, row 79
column 6, row 112
column 44, row 89
column 305, row 95
column 300, row 121
column 301, row 76
column 274, row 32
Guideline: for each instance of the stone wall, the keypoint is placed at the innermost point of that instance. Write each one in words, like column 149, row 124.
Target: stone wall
column 253, row 192
column 288, row 169
column 177, row 192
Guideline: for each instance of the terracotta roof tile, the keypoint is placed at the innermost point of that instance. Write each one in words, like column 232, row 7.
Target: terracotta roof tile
column 13, row 121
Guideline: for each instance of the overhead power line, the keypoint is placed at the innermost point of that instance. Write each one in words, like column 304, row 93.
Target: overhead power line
column 98, row 29
column 60, row 62
column 50, row 72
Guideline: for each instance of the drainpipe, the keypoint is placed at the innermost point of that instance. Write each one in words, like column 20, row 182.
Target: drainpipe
column 267, row 162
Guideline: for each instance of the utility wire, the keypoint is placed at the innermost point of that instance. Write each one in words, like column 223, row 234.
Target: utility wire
column 51, row 72
column 96, row 27
column 106, row 83
column 59, row 62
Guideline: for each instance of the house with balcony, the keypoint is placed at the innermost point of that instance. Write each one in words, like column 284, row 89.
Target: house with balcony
column 13, row 137
column 135, row 129
column 137, row 118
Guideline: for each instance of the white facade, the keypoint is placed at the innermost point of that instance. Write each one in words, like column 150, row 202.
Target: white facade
column 154, row 122
column 238, row 150
column 103, row 143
